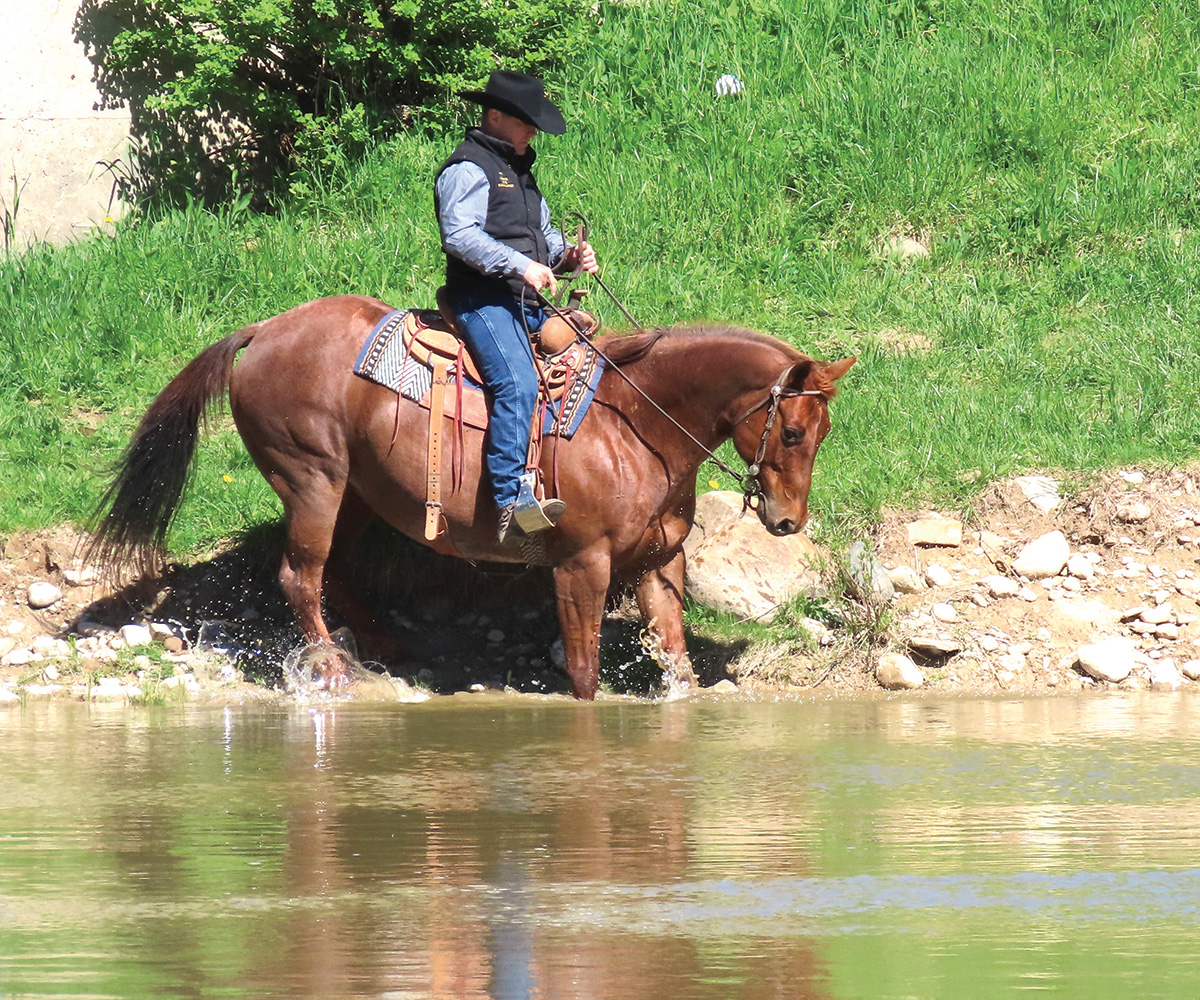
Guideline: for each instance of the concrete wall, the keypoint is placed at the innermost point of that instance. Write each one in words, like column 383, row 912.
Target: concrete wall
column 51, row 131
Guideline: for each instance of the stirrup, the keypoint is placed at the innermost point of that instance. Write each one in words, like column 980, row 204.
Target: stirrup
column 533, row 515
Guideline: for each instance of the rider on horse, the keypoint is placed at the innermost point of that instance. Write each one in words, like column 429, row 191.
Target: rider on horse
column 500, row 250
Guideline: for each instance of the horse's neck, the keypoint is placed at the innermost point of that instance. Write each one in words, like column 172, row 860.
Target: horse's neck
column 700, row 381
column 705, row 378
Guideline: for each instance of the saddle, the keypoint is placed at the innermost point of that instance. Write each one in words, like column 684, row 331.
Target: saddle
column 432, row 339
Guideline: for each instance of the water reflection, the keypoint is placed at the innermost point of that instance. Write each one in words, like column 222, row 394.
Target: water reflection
column 488, row 848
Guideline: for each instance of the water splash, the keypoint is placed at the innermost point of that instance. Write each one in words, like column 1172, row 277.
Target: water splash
column 331, row 672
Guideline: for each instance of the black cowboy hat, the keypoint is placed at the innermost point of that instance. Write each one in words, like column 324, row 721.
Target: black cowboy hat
column 519, row 95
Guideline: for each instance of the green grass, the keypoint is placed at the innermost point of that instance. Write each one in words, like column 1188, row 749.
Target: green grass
column 1049, row 155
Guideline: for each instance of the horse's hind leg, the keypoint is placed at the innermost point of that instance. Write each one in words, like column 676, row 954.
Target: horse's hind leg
column 311, row 515
column 352, row 520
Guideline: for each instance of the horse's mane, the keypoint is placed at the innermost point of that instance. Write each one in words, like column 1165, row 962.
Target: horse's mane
column 624, row 349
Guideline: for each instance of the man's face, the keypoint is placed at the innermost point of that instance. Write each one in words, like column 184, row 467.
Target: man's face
column 501, row 126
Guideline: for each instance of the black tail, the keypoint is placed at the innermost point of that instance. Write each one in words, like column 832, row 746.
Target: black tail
column 142, row 500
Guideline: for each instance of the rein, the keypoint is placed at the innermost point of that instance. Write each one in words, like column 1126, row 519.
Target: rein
column 751, row 482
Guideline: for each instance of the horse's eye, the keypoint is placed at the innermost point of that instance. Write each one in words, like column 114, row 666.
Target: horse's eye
column 792, row 436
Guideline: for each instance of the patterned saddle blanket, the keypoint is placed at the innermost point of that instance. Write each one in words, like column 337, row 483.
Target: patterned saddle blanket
column 403, row 349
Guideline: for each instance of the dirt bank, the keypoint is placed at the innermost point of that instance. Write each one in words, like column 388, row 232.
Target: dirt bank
column 973, row 625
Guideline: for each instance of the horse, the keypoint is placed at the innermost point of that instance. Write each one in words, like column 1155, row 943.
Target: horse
column 340, row 450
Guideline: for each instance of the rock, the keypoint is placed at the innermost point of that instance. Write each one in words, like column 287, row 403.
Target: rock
column 1111, row 659
column 1041, row 491
column 989, row 643
column 724, row 686
column 82, row 576
column 1072, row 584
column 935, row 531
column 173, row 644
column 870, row 580
column 50, row 673
column 1132, row 476
column 934, row 647
column 897, row 672
column 135, row 635
column 46, row 645
column 495, row 636
column 1133, row 512
column 15, row 628
column 43, row 594
column 906, row 580
column 734, row 565
column 1165, row 676
column 1001, row 586
column 1043, row 557
column 818, row 630
column 944, row 612
column 1158, row 615
column 8, row 697
column 1027, row 594
column 1167, row 630
column 7, row 645
column 1081, row 567
column 1191, row 670
column 18, row 657
column 904, row 248
column 161, row 631
column 938, row 576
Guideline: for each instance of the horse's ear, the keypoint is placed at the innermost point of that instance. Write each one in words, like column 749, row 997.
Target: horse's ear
column 834, row 370
column 798, row 374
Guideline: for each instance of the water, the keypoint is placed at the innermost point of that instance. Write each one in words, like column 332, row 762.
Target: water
column 491, row 847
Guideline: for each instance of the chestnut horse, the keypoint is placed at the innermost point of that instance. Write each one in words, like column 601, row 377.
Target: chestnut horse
column 339, row 449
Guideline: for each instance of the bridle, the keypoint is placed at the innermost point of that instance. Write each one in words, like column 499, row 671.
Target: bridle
column 752, row 488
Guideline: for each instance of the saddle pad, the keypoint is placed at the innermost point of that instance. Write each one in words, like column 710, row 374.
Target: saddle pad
column 384, row 360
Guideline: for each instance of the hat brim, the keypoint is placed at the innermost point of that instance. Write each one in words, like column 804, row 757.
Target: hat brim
column 543, row 114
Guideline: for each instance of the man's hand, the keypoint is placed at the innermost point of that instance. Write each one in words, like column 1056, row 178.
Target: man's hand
column 538, row 276
column 583, row 255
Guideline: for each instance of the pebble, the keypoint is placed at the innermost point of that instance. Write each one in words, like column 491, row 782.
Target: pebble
column 1028, row 594
column 42, row 594
column 906, row 580
column 724, row 686
column 1111, row 659
column 1158, row 615
column 1164, row 676
column 19, row 657
column 135, row 635
column 937, row 576
column 1072, row 584
column 15, row 628
column 897, row 672
column 1191, row 670
column 1001, row 586
column 933, row 646
column 1133, row 512
column 1043, row 557
column 495, row 636
column 944, row 612
column 81, row 577
column 173, row 644
column 989, row 643
column 935, row 531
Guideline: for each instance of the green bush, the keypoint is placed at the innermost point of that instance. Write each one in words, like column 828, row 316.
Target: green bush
column 222, row 89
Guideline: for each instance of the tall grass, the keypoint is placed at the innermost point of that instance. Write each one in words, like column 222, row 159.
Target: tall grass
column 1047, row 154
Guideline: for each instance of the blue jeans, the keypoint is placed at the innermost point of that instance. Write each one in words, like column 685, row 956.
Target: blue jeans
column 495, row 334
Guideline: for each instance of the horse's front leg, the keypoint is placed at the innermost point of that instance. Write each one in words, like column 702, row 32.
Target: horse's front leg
column 581, row 586
column 660, row 600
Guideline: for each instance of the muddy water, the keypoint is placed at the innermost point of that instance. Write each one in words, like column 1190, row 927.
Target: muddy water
column 479, row 847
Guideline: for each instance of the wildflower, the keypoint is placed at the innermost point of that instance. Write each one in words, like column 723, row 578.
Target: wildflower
column 729, row 84
column 713, row 484
column 227, row 478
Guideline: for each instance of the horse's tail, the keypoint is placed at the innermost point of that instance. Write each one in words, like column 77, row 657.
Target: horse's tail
column 154, row 470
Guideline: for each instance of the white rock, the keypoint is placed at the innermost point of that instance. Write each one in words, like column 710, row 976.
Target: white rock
column 1081, row 567
column 135, row 635
column 1168, row 630
column 82, row 576
column 906, row 580
column 1071, row 583
column 1041, row 491
column 51, row 673
column 818, row 630
column 1043, row 557
column 938, row 576
column 1133, row 512
column 934, row 646
column 8, row 697
column 935, row 531
column 989, row 643
column 1111, row 659
column 18, row 657
column 897, row 672
column 1001, row 586
column 43, row 594
column 724, row 686
column 1028, row 594
column 1164, row 676
column 44, row 644
column 734, row 565
column 15, row 628
column 160, row 631
column 944, row 612
column 1191, row 670
column 1158, row 615
column 1133, row 476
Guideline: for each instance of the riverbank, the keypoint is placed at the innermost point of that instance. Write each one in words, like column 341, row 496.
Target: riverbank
column 974, row 612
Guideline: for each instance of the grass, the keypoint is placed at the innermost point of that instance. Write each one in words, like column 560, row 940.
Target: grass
column 1047, row 154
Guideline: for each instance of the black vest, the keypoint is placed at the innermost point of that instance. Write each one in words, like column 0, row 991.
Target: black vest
column 514, row 212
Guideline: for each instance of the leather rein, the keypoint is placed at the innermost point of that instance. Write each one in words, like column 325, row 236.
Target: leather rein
column 751, row 482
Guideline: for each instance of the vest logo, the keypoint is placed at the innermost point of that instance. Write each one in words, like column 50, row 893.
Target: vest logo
column 504, row 182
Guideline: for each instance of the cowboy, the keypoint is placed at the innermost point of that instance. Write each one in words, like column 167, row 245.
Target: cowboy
column 500, row 253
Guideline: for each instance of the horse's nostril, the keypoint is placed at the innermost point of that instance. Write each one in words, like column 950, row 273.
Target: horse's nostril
column 785, row 527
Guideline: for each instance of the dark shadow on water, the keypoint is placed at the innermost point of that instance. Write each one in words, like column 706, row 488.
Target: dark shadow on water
column 458, row 624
